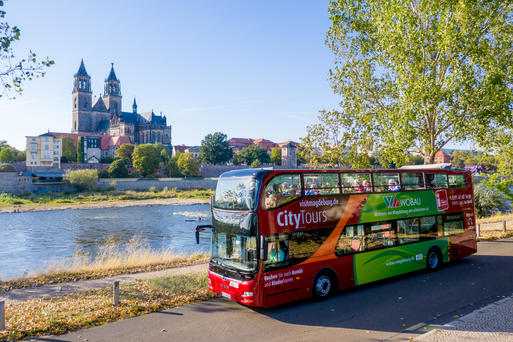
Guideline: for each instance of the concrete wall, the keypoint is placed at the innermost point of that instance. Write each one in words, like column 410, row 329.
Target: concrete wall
column 11, row 182
column 146, row 184
column 217, row 170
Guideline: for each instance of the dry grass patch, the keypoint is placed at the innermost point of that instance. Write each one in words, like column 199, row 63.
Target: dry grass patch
column 112, row 259
column 492, row 227
column 59, row 315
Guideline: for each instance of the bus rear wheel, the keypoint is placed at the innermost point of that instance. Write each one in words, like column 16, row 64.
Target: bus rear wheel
column 323, row 286
column 433, row 259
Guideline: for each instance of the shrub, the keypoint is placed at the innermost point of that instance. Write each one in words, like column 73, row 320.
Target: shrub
column 172, row 169
column 153, row 189
column 188, row 165
column 118, row 169
column 256, row 164
column 7, row 168
column 489, row 201
column 82, row 179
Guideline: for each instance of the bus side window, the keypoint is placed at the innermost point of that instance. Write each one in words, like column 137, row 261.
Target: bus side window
column 430, row 227
column 408, row 230
column 436, row 180
column 385, row 182
column 453, row 224
column 380, row 235
column 353, row 182
column 277, row 251
column 412, row 180
column 280, row 190
column 349, row 243
column 457, row 181
column 321, row 184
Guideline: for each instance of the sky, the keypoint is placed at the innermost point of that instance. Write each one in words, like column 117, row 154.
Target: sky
column 248, row 69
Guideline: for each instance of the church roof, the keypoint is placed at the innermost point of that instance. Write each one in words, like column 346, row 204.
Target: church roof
column 99, row 105
column 46, row 135
column 103, row 126
column 129, row 117
column 112, row 74
column 82, row 70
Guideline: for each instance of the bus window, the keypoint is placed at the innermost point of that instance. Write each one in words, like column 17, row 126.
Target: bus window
column 453, row 224
column 384, row 182
column 321, row 184
column 408, row 230
column 380, row 236
column 349, row 242
column 430, row 227
column 356, row 182
column 436, row 180
column 277, row 251
column 304, row 244
column 281, row 189
column 457, row 181
column 412, row 180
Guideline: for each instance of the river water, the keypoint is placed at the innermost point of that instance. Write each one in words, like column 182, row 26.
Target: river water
column 31, row 241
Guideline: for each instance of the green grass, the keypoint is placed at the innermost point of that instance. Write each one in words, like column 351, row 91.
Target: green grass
column 50, row 199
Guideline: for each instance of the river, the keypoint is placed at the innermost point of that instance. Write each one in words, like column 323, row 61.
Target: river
column 31, row 241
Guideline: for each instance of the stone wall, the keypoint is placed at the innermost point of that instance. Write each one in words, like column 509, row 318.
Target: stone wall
column 12, row 183
column 146, row 184
column 217, row 170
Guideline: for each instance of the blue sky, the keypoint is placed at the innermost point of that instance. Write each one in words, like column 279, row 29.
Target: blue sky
column 256, row 69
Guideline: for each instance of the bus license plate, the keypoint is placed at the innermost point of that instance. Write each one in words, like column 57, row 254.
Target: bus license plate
column 227, row 295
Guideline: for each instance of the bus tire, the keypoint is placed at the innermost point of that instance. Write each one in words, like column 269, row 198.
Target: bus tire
column 434, row 259
column 324, row 285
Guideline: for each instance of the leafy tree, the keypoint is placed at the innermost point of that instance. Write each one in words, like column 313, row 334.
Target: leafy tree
column 489, row 200
column 172, row 169
column 163, row 154
column 145, row 159
column 188, row 165
column 125, row 152
column 80, row 150
column 118, row 169
column 8, row 154
column 69, row 151
column 82, row 179
column 249, row 154
column 7, row 168
column 13, row 72
column 3, row 143
column 413, row 76
column 215, row 149
column 256, row 164
column 106, row 159
column 276, row 156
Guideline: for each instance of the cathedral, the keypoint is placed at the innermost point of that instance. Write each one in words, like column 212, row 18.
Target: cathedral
column 104, row 115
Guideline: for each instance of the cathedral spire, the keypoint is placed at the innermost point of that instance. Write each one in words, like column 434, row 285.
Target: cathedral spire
column 112, row 74
column 81, row 70
column 134, row 106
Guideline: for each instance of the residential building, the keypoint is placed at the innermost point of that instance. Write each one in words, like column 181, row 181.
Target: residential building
column 44, row 150
column 442, row 157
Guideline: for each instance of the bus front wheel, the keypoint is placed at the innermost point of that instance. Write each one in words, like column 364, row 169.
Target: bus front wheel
column 434, row 259
column 323, row 286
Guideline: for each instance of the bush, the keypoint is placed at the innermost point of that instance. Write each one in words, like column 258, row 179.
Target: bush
column 7, row 168
column 106, row 160
column 489, row 201
column 256, row 164
column 82, row 179
column 172, row 169
column 118, row 169
column 188, row 165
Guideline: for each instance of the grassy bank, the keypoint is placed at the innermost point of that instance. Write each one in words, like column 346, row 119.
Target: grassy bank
column 56, row 199
column 111, row 259
column 58, row 315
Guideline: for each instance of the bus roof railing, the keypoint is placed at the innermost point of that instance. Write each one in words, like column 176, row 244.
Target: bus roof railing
column 440, row 166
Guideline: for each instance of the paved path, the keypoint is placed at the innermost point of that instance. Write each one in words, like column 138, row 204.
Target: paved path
column 84, row 285
column 392, row 310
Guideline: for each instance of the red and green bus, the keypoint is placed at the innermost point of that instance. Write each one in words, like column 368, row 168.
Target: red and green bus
column 285, row 235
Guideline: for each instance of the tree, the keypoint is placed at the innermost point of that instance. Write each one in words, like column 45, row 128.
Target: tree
column 249, row 154
column 69, row 151
column 117, row 169
column 80, row 150
column 145, row 159
column 188, row 165
column 489, row 200
column 82, row 179
column 8, row 154
column 215, row 149
column 13, row 72
column 106, row 160
column 163, row 154
column 413, row 76
column 125, row 152
column 7, row 168
column 172, row 169
column 276, row 156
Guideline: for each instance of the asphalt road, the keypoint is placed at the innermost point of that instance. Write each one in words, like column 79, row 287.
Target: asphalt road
column 391, row 310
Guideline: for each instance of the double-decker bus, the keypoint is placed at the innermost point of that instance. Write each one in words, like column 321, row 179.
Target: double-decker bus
column 285, row 235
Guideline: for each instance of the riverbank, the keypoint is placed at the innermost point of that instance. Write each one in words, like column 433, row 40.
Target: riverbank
column 104, row 199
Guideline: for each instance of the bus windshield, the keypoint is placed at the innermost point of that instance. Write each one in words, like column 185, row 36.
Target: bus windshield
column 235, row 193
column 234, row 251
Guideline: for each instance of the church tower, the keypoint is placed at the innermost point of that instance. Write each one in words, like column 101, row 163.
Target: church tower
column 112, row 93
column 82, row 98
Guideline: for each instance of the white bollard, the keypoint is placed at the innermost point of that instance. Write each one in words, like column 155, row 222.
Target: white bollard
column 116, row 293
column 478, row 230
column 2, row 315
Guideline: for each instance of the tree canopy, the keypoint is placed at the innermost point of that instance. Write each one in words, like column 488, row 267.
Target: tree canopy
column 69, row 152
column 14, row 71
column 146, row 159
column 249, row 154
column 125, row 152
column 276, row 156
column 215, row 149
column 414, row 76
column 188, row 165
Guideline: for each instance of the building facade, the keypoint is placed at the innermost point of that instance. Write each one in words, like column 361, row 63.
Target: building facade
column 104, row 116
column 44, row 150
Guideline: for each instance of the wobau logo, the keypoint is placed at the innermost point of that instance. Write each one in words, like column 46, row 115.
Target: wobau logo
column 288, row 218
column 394, row 202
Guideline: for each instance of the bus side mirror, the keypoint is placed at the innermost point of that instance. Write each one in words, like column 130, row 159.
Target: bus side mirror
column 197, row 237
column 201, row 228
column 263, row 248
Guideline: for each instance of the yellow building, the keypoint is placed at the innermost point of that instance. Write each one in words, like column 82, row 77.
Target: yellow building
column 44, row 150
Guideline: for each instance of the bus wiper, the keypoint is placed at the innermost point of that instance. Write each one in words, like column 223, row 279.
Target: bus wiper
column 202, row 228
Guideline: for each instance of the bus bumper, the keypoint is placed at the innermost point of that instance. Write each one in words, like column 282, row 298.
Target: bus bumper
column 243, row 292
